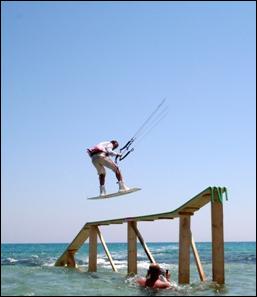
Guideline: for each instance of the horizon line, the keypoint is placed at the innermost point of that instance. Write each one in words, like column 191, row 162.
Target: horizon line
column 125, row 242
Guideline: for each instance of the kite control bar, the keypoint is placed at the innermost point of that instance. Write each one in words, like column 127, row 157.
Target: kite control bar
column 121, row 157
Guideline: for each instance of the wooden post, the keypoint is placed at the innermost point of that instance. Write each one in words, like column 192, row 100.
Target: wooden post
column 197, row 260
column 132, row 248
column 184, row 249
column 141, row 239
column 106, row 250
column 218, row 274
column 92, row 264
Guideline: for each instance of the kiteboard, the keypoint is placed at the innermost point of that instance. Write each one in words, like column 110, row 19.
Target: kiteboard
column 111, row 195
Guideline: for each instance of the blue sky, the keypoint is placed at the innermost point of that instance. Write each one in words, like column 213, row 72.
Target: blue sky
column 78, row 73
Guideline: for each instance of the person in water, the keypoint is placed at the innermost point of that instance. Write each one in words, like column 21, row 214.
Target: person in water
column 155, row 278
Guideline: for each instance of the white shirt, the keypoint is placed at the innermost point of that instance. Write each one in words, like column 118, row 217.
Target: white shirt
column 105, row 147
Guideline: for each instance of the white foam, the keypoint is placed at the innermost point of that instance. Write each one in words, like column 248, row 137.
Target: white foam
column 12, row 260
column 49, row 264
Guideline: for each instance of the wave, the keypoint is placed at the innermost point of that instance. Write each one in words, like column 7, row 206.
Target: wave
column 165, row 254
column 7, row 261
column 121, row 263
column 166, row 249
column 32, row 261
column 244, row 259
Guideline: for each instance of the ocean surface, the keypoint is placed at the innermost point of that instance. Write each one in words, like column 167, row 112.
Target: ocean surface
column 28, row 270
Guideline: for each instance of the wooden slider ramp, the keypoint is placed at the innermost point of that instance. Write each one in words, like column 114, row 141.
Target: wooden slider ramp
column 189, row 208
column 183, row 213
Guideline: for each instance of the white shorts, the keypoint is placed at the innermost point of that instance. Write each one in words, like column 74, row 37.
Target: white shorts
column 101, row 161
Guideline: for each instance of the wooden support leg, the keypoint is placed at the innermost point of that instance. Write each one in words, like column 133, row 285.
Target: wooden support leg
column 145, row 247
column 106, row 250
column 218, row 274
column 184, row 249
column 132, row 248
column 92, row 264
column 197, row 260
column 75, row 245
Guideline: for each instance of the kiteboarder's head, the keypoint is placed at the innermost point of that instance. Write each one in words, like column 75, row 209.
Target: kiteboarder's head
column 115, row 144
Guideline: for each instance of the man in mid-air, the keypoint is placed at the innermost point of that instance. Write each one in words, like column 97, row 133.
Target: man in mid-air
column 100, row 155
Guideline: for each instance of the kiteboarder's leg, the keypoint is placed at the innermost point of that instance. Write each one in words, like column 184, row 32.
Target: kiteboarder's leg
column 122, row 186
column 101, row 173
column 102, row 182
column 111, row 165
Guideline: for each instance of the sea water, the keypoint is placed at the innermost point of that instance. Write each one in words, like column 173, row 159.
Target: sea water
column 28, row 270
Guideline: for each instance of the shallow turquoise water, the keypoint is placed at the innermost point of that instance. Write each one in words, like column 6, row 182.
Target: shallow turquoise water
column 28, row 270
